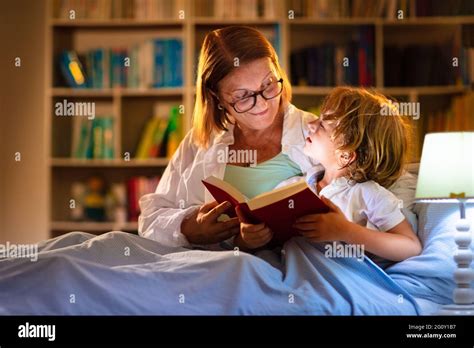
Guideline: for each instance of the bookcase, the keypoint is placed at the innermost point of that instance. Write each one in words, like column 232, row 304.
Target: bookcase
column 291, row 25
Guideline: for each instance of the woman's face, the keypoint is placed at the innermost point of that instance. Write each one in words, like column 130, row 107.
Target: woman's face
column 242, row 82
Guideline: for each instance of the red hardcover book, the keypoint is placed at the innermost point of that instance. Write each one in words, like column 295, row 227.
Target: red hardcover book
column 132, row 202
column 278, row 209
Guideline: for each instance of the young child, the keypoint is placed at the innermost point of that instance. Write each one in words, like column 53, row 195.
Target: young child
column 363, row 152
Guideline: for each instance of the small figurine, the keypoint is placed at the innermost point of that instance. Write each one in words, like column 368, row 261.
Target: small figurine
column 94, row 199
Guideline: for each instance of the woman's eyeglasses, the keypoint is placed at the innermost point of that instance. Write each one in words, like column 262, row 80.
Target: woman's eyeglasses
column 272, row 90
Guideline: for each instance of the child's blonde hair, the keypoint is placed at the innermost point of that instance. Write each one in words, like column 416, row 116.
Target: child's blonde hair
column 380, row 142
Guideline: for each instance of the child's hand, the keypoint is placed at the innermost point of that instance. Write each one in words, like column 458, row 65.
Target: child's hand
column 331, row 226
column 251, row 236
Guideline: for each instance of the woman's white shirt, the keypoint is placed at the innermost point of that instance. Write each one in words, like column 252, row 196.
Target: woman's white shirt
column 180, row 190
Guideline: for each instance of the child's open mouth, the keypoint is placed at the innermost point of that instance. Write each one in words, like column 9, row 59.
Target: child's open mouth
column 308, row 139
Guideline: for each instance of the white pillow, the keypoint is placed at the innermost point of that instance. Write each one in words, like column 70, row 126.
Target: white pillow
column 405, row 188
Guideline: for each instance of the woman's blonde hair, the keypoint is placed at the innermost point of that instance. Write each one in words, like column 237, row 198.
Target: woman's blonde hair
column 367, row 124
column 219, row 52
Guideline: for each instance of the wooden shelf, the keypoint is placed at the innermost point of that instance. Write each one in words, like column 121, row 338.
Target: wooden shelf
column 344, row 21
column 118, row 22
column 137, row 92
column 446, row 20
column 120, row 92
column 87, row 226
column 233, row 21
column 114, row 23
column 93, row 163
column 332, row 21
column 86, row 92
column 422, row 90
column 425, row 90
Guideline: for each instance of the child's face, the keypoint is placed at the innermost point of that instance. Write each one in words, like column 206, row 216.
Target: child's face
column 319, row 144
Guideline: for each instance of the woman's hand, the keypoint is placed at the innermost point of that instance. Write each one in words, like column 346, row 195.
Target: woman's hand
column 331, row 226
column 202, row 226
column 251, row 236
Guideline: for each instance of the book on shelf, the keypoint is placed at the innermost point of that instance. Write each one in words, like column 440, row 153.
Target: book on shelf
column 425, row 65
column 467, row 66
column 93, row 139
column 154, row 63
column 350, row 8
column 72, row 69
column 329, row 64
column 278, row 209
column 248, row 9
column 136, row 188
column 389, row 9
column 444, row 8
column 96, row 199
column 456, row 118
column 162, row 132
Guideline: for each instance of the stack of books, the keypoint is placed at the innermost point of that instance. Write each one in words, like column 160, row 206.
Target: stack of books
column 424, row 65
column 151, row 64
column 248, row 9
column 350, row 8
column 162, row 133
column 330, row 64
column 444, row 8
column 93, row 139
column 457, row 118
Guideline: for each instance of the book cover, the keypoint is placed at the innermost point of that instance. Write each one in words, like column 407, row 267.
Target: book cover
column 72, row 69
column 108, row 150
column 146, row 140
column 278, row 209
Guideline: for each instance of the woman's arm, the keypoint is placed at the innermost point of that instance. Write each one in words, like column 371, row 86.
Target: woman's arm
column 164, row 212
column 161, row 213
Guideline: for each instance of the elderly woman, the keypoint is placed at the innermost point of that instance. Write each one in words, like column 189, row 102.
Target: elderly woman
column 242, row 106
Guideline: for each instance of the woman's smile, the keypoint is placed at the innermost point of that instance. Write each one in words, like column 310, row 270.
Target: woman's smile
column 263, row 113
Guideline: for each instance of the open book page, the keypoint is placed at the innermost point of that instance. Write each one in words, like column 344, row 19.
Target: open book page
column 226, row 191
column 278, row 209
column 279, row 194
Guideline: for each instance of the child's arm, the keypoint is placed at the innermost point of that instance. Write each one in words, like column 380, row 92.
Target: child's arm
column 396, row 244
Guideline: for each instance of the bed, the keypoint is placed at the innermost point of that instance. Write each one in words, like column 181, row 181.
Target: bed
column 124, row 274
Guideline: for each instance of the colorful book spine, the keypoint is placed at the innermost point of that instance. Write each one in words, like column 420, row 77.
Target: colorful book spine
column 93, row 139
column 151, row 64
column 329, row 64
column 72, row 69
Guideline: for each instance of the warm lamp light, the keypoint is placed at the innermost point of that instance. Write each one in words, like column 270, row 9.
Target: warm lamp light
column 447, row 175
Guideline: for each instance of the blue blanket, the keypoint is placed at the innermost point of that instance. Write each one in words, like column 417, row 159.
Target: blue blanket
column 120, row 273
